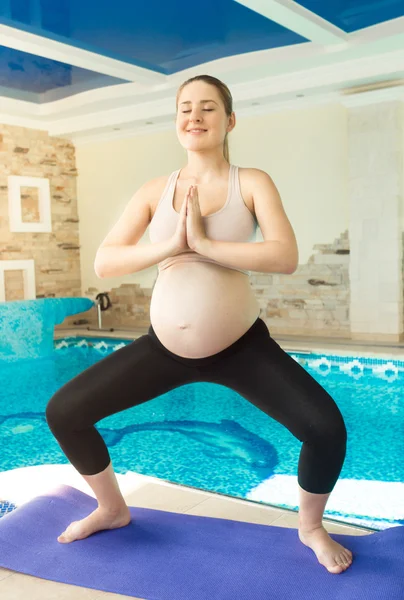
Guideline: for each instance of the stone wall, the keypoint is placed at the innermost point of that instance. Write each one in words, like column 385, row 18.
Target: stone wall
column 312, row 301
column 33, row 153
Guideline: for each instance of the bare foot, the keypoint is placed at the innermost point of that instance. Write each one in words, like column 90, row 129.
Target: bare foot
column 334, row 557
column 98, row 520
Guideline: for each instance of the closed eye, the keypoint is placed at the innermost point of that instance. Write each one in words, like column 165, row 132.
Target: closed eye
column 205, row 109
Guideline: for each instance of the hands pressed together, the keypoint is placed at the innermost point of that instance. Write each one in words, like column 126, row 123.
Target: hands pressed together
column 195, row 226
column 190, row 232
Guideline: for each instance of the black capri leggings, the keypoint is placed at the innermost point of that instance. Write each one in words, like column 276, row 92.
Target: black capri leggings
column 255, row 366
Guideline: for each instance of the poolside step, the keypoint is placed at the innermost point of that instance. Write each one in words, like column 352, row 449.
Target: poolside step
column 20, row 485
column 365, row 499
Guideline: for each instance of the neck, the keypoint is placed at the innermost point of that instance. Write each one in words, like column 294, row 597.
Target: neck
column 204, row 167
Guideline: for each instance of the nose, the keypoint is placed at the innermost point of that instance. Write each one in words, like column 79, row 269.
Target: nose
column 195, row 115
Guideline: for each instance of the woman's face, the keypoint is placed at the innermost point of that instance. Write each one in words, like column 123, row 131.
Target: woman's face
column 201, row 122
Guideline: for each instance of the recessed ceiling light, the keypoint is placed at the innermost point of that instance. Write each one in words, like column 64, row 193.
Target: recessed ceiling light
column 255, row 103
column 299, row 95
column 149, row 123
column 117, row 129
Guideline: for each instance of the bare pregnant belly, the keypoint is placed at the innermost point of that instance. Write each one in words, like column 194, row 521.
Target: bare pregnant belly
column 198, row 309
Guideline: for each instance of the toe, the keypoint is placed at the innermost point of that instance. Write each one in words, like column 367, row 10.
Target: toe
column 67, row 535
column 335, row 569
column 340, row 564
column 344, row 560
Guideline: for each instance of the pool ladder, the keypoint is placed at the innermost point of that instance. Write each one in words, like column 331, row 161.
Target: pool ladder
column 103, row 302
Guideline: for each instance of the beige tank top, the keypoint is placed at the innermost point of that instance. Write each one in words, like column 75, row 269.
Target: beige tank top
column 232, row 223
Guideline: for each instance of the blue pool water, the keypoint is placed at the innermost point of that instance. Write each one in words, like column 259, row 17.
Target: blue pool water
column 205, row 435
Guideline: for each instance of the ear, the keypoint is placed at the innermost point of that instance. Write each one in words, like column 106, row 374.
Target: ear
column 232, row 122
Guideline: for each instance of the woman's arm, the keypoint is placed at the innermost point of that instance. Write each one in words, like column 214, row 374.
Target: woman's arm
column 278, row 253
column 264, row 257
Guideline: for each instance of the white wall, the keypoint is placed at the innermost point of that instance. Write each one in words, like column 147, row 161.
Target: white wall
column 303, row 151
column 402, row 156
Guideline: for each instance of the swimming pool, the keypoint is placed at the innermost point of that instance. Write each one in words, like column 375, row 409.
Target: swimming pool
column 207, row 436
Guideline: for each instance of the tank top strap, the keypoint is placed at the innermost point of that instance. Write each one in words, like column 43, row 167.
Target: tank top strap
column 172, row 180
column 235, row 183
column 232, row 178
column 167, row 195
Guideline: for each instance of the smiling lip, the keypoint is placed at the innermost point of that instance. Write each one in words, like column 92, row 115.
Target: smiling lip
column 196, row 130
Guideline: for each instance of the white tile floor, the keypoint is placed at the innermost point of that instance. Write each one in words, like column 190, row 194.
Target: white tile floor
column 16, row 586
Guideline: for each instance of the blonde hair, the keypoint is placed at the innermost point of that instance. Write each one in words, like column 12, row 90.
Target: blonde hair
column 225, row 95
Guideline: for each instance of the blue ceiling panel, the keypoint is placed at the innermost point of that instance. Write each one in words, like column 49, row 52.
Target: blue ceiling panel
column 28, row 77
column 164, row 36
column 352, row 15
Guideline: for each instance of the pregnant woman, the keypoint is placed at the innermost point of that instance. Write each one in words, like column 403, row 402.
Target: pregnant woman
column 205, row 323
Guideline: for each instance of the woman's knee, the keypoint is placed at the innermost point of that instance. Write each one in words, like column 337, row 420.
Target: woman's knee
column 60, row 412
column 54, row 412
column 329, row 432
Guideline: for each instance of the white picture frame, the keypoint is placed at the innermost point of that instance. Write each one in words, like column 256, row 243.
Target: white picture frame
column 15, row 183
column 28, row 269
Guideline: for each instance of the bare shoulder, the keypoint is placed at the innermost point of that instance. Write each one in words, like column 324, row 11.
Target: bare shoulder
column 155, row 186
column 137, row 214
column 153, row 189
column 252, row 182
column 255, row 177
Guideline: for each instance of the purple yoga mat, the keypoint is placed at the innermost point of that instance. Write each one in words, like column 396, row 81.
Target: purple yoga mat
column 168, row 556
